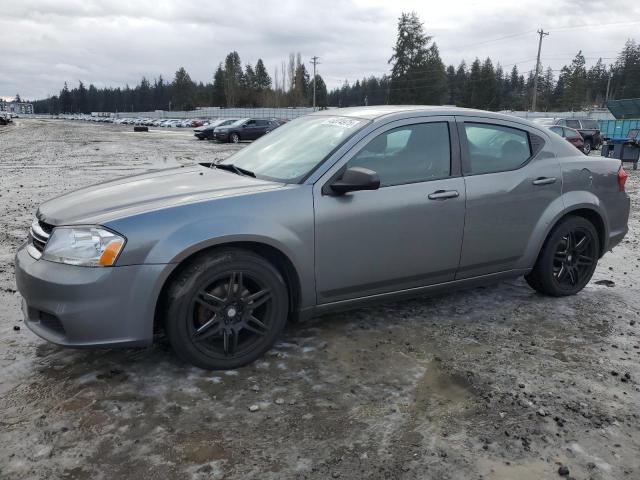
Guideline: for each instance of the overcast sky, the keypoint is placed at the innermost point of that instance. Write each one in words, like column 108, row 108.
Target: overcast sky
column 44, row 43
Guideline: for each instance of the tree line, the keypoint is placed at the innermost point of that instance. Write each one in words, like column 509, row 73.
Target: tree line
column 418, row 76
column 232, row 85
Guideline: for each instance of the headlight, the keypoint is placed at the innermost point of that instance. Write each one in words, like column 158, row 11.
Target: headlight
column 84, row 246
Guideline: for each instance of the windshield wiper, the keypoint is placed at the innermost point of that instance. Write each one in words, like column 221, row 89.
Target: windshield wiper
column 230, row 167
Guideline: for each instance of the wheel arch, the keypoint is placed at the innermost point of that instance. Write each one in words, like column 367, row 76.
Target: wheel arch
column 588, row 212
column 276, row 256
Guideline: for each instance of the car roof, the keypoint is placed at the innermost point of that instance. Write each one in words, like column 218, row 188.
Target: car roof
column 379, row 111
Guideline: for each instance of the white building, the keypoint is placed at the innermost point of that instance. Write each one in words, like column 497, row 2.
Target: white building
column 15, row 108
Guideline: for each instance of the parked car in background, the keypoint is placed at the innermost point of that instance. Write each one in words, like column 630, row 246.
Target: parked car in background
column 330, row 211
column 243, row 129
column 5, row 118
column 206, row 132
column 544, row 121
column 275, row 123
column 589, row 129
column 572, row 136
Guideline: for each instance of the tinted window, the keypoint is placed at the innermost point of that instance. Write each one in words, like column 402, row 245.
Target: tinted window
column 591, row 124
column 557, row 130
column 494, row 148
column 569, row 133
column 413, row 153
column 573, row 123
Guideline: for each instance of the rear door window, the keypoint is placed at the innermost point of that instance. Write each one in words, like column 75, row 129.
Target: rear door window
column 573, row 123
column 496, row 148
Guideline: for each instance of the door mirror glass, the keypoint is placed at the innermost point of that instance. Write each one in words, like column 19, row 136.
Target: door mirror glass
column 354, row 179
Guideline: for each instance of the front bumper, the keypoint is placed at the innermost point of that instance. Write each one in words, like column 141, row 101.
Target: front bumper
column 88, row 306
column 221, row 136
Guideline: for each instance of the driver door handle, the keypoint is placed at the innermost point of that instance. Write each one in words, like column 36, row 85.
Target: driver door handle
column 544, row 181
column 443, row 194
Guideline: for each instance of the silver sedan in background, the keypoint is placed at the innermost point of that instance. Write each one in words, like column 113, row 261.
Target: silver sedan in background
column 330, row 211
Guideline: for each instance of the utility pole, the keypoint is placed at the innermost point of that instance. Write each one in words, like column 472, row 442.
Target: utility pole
column 606, row 97
column 542, row 33
column 314, row 62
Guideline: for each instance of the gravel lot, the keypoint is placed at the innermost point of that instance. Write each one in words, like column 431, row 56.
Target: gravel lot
column 491, row 383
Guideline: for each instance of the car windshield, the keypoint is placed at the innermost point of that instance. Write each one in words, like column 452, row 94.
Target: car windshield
column 291, row 151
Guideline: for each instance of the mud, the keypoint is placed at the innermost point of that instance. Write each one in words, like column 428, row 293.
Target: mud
column 492, row 383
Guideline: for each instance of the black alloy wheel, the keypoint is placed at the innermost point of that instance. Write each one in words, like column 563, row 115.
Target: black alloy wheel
column 226, row 309
column 575, row 255
column 231, row 314
column 568, row 258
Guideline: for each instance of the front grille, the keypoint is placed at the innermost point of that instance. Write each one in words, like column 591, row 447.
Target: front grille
column 39, row 234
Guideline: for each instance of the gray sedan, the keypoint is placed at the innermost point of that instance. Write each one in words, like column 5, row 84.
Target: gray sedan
column 330, row 211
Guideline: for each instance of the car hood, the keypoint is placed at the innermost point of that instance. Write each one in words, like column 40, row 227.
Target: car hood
column 128, row 196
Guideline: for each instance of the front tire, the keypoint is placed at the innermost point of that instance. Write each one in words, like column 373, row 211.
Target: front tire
column 225, row 309
column 234, row 138
column 567, row 260
column 587, row 147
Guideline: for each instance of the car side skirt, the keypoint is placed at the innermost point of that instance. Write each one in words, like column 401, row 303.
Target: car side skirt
column 429, row 290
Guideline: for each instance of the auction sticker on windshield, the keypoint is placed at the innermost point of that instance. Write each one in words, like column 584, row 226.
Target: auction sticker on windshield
column 341, row 122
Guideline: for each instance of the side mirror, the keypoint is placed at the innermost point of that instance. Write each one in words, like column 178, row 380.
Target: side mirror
column 354, row 179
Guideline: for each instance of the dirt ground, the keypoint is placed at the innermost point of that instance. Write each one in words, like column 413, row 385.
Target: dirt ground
column 492, row 383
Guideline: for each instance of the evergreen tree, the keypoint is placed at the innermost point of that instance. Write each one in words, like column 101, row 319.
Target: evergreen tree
column 232, row 79
column 626, row 72
column 575, row 88
column 219, row 99
column 65, row 100
column 182, row 90
column 262, row 78
column 409, row 59
column 321, row 92
column 474, row 95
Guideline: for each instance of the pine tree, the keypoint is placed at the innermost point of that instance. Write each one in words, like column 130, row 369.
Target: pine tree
column 65, row 100
column 474, row 94
column 182, row 90
column 461, row 85
column 232, row 79
column 487, row 88
column 219, row 99
column 321, row 92
column 575, row 89
column 626, row 72
column 263, row 80
column 409, row 59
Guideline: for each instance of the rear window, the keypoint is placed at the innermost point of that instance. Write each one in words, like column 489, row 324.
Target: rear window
column 572, row 123
column 591, row 124
column 495, row 148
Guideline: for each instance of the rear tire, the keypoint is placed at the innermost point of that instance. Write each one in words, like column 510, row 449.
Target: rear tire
column 567, row 260
column 225, row 309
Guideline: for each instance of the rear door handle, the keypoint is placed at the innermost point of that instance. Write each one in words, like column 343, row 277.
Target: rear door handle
column 443, row 194
column 544, row 181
